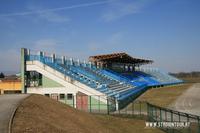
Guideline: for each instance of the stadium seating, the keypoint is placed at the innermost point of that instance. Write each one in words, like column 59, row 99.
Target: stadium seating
column 89, row 75
column 113, row 84
column 160, row 76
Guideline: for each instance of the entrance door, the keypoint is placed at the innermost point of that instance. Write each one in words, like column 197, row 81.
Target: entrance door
column 81, row 101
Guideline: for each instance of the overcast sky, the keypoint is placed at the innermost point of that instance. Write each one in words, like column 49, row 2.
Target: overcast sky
column 166, row 31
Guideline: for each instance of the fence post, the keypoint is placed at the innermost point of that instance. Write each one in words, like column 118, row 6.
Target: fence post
column 156, row 113
column 148, row 112
column 132, row 108
column 172, row 119
column 126, row 110
column 165, row 115
column 160, row 115
column 188, row 121
column 198, row 124
column 179, row 118
column 108, row 108
column 171, row 116
column 140, row 108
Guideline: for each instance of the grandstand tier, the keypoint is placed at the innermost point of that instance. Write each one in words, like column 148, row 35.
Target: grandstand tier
column 113, row 76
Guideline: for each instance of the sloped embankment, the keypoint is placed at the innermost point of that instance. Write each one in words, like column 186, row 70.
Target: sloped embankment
column 39, row 114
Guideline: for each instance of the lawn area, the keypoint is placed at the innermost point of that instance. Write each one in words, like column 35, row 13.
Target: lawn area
column 164, row 96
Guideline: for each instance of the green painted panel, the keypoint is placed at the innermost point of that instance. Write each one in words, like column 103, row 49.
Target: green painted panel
column 46, row 82
column 96, row 104
column 66, row 101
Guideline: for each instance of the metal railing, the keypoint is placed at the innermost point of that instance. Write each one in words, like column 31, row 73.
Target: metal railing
column 160, row 114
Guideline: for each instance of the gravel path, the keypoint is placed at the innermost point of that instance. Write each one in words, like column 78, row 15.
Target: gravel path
column 189, row 101
column 8, row 103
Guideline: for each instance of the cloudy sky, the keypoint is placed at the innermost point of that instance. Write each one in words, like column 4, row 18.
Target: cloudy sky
column 166, row 31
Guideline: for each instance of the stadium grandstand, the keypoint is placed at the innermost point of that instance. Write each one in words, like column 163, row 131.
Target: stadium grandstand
column 115, row 78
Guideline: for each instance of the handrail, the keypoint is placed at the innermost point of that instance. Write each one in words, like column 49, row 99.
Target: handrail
column 74, row 76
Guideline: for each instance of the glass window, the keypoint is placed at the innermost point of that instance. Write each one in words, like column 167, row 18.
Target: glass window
column 62, row 96
column 69, row 96
column 47, row 95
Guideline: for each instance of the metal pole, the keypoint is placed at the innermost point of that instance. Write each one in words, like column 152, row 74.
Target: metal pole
column 140, row 107
column 126, row 110
column 160, row 115
column 108, row 107
column 171, row 116
column 132, row 108
column 148, row 111
column 156, row 113
column 188, row 121
column 198, row 124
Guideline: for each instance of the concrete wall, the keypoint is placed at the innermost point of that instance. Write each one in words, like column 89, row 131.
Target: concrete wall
column 52, row 90
column 60, row 78
column 69, row 84
column 94, row 102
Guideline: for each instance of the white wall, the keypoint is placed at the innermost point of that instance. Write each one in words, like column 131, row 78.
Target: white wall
column 62, row 79
column 59, row 90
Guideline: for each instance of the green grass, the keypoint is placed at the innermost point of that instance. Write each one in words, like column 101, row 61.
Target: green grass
column 164, row 96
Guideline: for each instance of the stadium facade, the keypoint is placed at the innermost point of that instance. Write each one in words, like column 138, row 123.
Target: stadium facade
column 115, row 78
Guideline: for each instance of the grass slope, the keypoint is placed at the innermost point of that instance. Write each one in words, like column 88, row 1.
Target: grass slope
column 39, row 114
column 164, row 96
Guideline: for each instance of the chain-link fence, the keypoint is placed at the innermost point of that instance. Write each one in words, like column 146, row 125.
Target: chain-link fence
column 134, row 109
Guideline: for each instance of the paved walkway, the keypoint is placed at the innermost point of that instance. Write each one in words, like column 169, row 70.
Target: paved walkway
column 189, row 101
column 7, row 105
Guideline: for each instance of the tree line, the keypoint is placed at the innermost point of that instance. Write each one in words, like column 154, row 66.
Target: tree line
column 2, row 75
column 194, row 74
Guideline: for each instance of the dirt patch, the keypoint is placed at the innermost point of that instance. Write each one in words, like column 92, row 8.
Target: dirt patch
column 39, row 114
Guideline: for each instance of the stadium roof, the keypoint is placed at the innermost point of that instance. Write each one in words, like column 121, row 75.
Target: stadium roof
column 119, row 58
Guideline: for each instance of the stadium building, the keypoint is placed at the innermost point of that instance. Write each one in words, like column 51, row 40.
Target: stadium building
column 113, row 79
